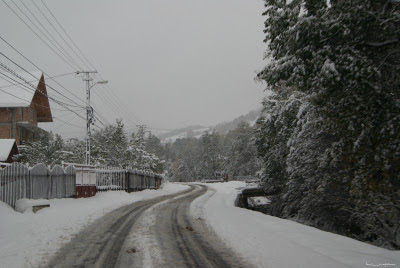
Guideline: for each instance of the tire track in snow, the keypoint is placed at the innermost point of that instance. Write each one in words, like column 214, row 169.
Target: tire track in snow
column 100, row 243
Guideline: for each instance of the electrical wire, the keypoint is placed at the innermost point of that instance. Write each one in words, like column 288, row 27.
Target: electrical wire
column 59, row 34
column 109, row 94
column 121, row 109
column 31, row 81
column 66, row 33
column 32, row 86
column 67, row 123
column 16, row 50
column 27, row 101
column 33, row 77
column 65, row 53
column 38, row 35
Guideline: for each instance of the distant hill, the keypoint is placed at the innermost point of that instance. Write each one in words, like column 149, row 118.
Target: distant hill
column 197, row 130
column 250, row 117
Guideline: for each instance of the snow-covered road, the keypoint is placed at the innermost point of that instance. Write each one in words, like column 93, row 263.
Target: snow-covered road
column 172, row 238
column 31, row 240
column 167, row 236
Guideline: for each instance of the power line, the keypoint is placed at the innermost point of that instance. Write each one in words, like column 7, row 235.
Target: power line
column 38, row 35
column 15, row 74
column 116, row 106
column 48, row 33
column 67, row 123
column 66, row 33
column 34, row 24
column 27, row 101
column 122, row 110
column 28, row 89
column 16, row 50
column 59, row 34
column 33, row 87
column 119, row 106
column 36, row 79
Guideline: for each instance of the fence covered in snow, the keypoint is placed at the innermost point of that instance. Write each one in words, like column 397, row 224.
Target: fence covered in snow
column 18, row 181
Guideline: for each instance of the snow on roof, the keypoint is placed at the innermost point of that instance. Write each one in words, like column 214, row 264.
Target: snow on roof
column 6, row 146
column 18, row 95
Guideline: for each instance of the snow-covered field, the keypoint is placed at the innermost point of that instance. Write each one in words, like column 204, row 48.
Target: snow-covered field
column 27, row 239
column 268, row 241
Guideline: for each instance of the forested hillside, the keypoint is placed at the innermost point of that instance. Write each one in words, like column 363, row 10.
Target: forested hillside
column 214, row 154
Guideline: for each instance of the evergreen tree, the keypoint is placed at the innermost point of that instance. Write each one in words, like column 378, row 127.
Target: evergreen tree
column 240, row 151
column 210, row 155
column 47, row 148
column 109, row 146
column 344, row 56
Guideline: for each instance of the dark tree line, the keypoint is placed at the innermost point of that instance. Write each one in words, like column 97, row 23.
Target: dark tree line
column 330, row 134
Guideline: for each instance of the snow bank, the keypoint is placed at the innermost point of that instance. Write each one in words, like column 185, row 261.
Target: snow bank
column 268, row 241
column 28, row 239
column 25, row 204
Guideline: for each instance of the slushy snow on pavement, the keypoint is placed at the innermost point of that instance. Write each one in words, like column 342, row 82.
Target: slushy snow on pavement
column 267, row 241
column 29, row 240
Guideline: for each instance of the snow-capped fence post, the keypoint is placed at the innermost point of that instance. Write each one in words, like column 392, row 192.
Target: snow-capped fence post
column 70, row 181
column 18, row 181
column 57, row 182
column 13, row 180
column 39, row 182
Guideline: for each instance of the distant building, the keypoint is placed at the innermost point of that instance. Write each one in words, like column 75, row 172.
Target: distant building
column 22, row 108
column 8, row 148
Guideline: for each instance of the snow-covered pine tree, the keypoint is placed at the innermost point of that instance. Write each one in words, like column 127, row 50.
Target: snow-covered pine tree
column 109, row 146
column 345, row 56
column 46, row 148
column 139, row 157
column 210, row 155
column 240, row 151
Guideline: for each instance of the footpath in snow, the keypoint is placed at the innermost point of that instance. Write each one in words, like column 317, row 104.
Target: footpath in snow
column 28, row 239
column 268, row 241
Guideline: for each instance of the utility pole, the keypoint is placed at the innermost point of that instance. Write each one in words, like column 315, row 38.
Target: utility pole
column 89, row 109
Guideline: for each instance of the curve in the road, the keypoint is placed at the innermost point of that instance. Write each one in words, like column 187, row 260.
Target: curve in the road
column 180, row 240
column 99, row 244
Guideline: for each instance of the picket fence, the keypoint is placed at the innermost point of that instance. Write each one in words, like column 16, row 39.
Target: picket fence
column 18, row 181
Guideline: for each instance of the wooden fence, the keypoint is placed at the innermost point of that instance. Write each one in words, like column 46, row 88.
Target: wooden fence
column 18, row 181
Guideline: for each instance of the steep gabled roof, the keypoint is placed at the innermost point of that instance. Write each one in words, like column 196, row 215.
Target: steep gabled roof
column 22, row 95
column 41, row 103
column 18, row 95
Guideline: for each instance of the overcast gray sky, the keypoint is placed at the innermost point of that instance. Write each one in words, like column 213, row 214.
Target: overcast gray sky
column 169, row 63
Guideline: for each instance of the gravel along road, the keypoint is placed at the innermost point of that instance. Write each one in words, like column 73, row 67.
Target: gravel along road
column 154, row 233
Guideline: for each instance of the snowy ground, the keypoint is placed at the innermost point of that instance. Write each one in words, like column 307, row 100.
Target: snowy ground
column 27, row 239
column 273, row 242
